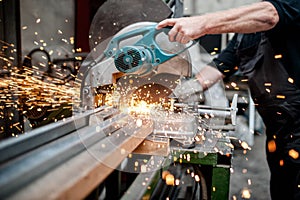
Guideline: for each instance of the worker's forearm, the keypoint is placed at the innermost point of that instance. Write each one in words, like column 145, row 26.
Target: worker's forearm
column 247, row 19
column 256, row 17
column 208, row 76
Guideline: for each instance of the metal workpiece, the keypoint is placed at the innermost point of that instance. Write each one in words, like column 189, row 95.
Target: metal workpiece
column 21, row 167
column 17, row 146
column 178, row 126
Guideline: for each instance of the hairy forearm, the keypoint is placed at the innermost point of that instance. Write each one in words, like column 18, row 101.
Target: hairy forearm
column 257, row 17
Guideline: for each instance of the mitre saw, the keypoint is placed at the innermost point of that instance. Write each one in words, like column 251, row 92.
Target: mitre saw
column 138, row 50
column 140, row 62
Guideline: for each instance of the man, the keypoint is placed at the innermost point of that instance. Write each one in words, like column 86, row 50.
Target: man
column 273, row 69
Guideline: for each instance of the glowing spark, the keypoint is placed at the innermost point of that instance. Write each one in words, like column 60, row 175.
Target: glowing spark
column 280, row 96
column 290, row 80
column 123, row 151
column 197, row 178
column 278, row 56
column 294, row 154
column 281, row 162
column 268, row 84
column 246, row 193
column 72, row 40
column 143, row 168
column 192, row 174
column 249, row 182
column 245, row 145
column 233, row 84
column 170, row 179
column 272, row 146
column 188, row 158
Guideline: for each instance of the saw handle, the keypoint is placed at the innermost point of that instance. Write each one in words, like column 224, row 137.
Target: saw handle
column 147, row 41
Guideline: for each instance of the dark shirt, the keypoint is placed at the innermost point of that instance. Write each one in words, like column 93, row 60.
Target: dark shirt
column 284, row 37
column 229, row 60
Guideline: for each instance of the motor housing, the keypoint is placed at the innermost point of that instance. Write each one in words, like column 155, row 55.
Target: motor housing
column 133, row 59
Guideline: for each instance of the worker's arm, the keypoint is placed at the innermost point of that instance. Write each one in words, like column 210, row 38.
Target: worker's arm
column 188, row 90
column 224, row 66
column 208, row 76
column 256, row 17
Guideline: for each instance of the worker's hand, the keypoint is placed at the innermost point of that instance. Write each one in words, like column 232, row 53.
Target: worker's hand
column 184, row 29
column 188, row 90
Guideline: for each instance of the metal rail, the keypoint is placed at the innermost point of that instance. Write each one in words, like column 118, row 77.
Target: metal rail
column 13, row 147
column 39, row 158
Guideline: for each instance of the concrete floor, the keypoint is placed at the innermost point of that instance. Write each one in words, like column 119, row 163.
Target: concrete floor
column 250, row 172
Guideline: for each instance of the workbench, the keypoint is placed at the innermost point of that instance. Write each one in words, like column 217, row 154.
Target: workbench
column 212, row 157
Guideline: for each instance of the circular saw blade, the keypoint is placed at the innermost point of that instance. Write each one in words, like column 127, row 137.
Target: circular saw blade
column 114, row 15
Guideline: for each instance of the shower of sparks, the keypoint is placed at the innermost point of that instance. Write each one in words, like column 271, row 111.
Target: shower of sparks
column 41, row 92
column 140, row 107
column 30, row 89
column 26, row 89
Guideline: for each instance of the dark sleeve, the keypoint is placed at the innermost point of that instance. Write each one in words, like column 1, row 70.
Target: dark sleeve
column 288, row 11
column 227, row 60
